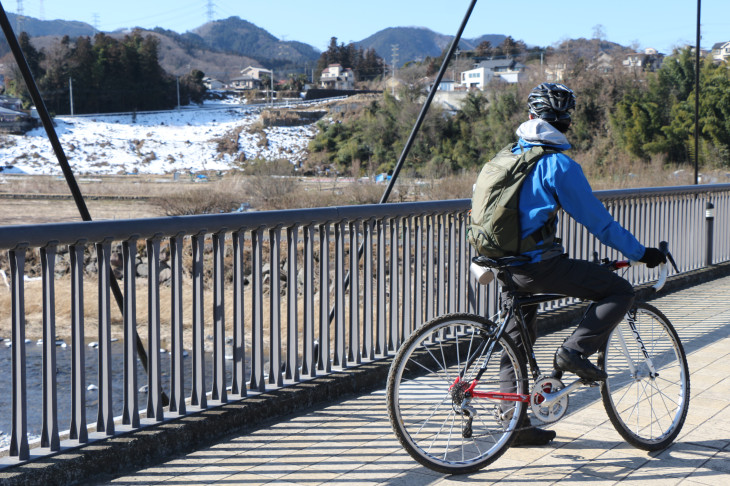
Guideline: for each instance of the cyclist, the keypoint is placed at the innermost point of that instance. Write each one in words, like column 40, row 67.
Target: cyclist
column 557, row 182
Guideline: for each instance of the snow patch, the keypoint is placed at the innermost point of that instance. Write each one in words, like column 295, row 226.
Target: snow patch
column 154, row 143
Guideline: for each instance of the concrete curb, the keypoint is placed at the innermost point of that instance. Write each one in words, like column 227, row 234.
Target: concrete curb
column 107, row 458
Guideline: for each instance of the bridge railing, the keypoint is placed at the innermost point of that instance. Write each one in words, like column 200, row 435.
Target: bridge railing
column 264, row 299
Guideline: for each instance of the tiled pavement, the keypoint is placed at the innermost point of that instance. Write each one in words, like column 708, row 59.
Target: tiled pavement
column 351, row 442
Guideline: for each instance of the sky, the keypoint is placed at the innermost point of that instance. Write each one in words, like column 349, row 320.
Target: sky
column 661, row 24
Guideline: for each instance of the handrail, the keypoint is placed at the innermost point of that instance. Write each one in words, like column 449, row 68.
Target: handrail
column 41, row 234
column 120, row 229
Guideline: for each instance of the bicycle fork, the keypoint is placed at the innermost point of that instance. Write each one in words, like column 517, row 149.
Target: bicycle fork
column 633, row 368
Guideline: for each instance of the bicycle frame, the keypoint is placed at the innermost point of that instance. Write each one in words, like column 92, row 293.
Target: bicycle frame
column 515, row 302
column 515, row 308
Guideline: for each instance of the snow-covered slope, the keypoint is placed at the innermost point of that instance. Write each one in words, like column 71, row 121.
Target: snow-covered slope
column 154, row 143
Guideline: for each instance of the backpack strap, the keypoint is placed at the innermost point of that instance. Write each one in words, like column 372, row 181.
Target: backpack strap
column 543, row 237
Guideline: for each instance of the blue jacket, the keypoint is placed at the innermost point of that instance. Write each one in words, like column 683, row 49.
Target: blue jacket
column 557, row 181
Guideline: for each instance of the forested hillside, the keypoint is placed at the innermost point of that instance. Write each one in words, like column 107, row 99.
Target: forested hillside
column 107, row 75
column 624, row 120
column 238, row 36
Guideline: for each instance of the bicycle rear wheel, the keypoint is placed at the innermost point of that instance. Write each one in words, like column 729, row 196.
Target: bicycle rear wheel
column 646, row 406
column 430, row 408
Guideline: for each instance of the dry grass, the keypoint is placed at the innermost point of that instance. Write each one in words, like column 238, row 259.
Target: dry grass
column 34, row 312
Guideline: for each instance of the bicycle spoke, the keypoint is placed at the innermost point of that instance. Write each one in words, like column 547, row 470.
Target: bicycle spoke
column 649, row 408
column 432, row 413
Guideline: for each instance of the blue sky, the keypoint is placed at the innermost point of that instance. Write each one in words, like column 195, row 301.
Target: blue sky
column 662, row 24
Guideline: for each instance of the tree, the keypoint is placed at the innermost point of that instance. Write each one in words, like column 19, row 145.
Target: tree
column 192, row 88
column 365, row 64
column 484, row 49
column 510, row 48
column 33, row 57
column 296, row 82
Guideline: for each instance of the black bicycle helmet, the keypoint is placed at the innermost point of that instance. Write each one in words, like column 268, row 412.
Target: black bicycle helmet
column 552, row 102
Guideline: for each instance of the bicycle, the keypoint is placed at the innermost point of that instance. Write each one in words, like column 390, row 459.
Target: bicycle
column 453, row 414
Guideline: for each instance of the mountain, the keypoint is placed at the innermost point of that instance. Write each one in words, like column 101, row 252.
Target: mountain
column 223, row 47
column 180, row 53
column 40, row 28
column 44, row 28
column 237, row 36
column 417, row 43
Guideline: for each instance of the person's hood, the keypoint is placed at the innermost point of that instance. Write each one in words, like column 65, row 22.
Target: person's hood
column 540, row 132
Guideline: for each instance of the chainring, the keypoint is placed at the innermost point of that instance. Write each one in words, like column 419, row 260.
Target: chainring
column 544, row 386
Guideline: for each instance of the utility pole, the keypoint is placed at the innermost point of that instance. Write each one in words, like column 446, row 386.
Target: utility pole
column 71, row 94
column 697, row 97
column 455, row 64
column 178, row 91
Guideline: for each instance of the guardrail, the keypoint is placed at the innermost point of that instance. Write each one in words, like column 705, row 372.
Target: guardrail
column 303, row 301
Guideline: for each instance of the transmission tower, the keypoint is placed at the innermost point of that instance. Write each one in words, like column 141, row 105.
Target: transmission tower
column 394, row 48
column 95, row 21
column 19, row 17
column 211, row 10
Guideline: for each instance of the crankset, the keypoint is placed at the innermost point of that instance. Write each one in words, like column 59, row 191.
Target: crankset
column 546, row 401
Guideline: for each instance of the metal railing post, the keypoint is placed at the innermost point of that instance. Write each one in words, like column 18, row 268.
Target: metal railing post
column 154, row 374
column 198, row 396
column 130, row 415
column 238, row 379
column 105, row 415
column 19, row 408
column 78, row 428
column 219, row 315
column 49, row 427
column 709, row 232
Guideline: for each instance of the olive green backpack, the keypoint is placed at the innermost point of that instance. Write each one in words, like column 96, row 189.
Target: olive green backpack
column 494, row 229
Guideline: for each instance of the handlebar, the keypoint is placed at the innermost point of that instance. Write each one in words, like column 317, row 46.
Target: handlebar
column 663, row 267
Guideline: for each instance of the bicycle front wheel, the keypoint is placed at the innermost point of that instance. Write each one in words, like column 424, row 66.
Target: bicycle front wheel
column 646, row 394
column 435, row 416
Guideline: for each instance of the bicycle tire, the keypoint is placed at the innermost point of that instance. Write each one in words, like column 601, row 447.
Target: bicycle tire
column 423, row 406
column 647, row 411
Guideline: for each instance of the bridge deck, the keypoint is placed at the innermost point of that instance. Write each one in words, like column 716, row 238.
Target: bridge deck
column 351, row 442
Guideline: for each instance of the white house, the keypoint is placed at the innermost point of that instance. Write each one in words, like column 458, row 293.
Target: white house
column 507, row 70
column 721, row 52
column 337, row 77
column 213, row 84
column 555, row 73
column 446, row 85
column 649, row 60
column 250, row 78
